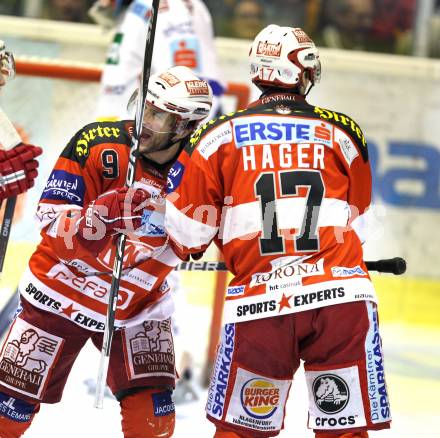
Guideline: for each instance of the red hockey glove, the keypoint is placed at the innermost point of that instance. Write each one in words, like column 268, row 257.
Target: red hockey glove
column 18, row 169
column 118, row 210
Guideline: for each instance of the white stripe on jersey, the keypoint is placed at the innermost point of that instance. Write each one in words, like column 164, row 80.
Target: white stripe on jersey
column 245, row 219
column 168, row 257
column 189, row 232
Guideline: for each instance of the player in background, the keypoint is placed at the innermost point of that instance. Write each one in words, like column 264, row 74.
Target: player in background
column 18, row 166
column 64, row 291
column 283, row 189
column 184, row 36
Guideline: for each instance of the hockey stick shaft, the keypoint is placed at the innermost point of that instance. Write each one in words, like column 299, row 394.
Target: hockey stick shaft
column 117, row 267
column 9, row 138
column 5, row 229
column 396, row 266
column 7, row 312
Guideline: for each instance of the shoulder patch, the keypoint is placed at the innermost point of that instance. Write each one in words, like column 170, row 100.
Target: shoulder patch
column 348, row 125
column 209, row 126
column 78, row 149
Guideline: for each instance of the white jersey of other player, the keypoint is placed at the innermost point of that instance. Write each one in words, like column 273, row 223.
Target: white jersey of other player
column 184, row 36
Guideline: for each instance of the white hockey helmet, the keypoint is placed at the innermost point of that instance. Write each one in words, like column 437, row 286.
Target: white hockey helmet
column 180, row 92
column 175, row 98
column 280, row 55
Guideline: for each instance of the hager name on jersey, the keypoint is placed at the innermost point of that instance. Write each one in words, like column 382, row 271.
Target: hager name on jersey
column 307, row 156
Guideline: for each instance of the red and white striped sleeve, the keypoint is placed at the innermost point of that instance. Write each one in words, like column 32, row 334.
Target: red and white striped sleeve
column 193, row 208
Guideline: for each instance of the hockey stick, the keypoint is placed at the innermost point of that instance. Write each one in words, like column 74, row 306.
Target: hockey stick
column 5, row 229
column 120, row 246
column 9, row 138
column 396, row 266
column 7, row 312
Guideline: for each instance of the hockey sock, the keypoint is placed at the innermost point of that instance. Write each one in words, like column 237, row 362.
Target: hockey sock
column 16, row 424
column 148, row 413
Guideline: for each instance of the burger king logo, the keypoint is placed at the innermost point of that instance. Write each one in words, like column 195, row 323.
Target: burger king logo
column 260, row 398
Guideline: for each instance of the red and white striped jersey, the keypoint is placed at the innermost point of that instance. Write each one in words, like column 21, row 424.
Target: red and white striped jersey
column 280, row 188
column 63, row 277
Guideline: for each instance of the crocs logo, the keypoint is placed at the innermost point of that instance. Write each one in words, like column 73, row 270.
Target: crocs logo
column 331, row 393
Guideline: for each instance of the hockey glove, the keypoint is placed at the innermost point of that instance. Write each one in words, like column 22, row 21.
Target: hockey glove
column 18, row 169
column 118, row 210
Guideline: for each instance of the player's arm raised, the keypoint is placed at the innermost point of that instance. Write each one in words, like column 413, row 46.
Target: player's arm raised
column 18, row 166
column 202, row 218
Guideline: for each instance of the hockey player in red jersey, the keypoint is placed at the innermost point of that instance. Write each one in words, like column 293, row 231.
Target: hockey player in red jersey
column 64, row 291
column 283, row 189
column 18, row 166
column 184, row 36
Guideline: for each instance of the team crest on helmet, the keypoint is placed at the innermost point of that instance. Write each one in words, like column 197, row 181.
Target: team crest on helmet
column 197, row 88
column 267, row 49
column 169, row 78
column 301, row 36
column 187, row 96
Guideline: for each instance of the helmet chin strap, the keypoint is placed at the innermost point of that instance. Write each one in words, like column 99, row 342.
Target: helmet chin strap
column 307, row 78
column 308, row 91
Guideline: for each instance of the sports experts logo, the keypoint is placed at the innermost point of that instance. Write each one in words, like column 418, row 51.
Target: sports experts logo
column 256, row 308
